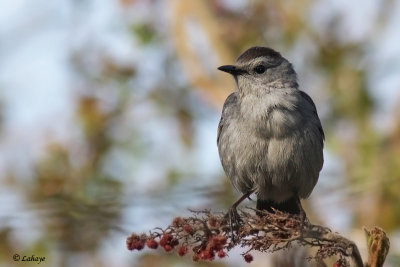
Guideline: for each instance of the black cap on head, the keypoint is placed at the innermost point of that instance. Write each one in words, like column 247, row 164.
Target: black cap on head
column 258, row 51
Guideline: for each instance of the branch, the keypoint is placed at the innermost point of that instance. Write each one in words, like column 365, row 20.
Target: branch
column 378, row 246
column 209, row 235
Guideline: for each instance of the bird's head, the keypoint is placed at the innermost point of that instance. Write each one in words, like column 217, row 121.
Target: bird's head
column 261, row 69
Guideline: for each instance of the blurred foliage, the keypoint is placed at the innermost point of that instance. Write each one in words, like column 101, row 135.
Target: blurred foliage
column 145, row 33
column 83, row 204
column 83, row 201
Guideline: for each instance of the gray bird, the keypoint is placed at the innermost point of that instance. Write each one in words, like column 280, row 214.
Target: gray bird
column 270, row 138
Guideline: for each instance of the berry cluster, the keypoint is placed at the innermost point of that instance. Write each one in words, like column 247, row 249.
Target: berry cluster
column 203, row 237
column 207, row 236
column 136, row 242
column 214, row 246
column 207, row 251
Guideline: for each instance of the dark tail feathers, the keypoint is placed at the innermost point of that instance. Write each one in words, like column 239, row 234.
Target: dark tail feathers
column 290, row 206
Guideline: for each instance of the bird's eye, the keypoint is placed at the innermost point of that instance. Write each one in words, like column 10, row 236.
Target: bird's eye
column 259, row 69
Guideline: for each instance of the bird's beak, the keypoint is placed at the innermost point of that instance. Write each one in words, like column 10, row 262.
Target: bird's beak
column 232, row 69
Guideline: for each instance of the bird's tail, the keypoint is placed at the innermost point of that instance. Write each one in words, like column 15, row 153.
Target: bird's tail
column 290, row 206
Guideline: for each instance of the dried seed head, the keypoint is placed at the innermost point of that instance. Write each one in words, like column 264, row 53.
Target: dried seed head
column 178, row 221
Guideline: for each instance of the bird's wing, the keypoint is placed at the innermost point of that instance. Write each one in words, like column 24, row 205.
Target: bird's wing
column 229, row 103
column 309, row 100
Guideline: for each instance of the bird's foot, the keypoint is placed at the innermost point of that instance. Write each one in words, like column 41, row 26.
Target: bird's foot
column 233, row 217
column 304, row 221
column 234, row 220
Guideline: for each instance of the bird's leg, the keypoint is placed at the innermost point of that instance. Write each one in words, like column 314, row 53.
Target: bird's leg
column 303, row 215
column 232, row 215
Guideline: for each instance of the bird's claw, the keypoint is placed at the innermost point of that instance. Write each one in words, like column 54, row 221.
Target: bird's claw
column 233, row 219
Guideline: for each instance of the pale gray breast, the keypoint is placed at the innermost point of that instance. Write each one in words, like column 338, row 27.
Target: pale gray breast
column 239, row 151
column 266, row 145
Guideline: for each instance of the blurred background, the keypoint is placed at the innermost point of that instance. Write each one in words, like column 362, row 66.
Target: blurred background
column 109, row 112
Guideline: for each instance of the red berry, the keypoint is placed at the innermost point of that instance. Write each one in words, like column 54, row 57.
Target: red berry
column 151, row 243
column 248, row 258
column 221, row 254
column 167, row 248
column 217, row 242
column 207, row 255
column 165, row 240
column 220, row 239
column 188, row 229
column 182, row 251
column 135, row 242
